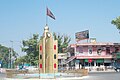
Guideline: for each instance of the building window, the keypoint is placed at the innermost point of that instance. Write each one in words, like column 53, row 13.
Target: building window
column 79, row 49
column 54, row 56
column 90, row 50
column 99, row 51
column 40, row 56
column 108, row 50
column 94, row 48
column 116, row 49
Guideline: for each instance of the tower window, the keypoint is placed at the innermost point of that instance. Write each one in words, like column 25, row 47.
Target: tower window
column 54, row 47
column 40, row 65
column 54, row 65
column 54, row 56
column 40, row 56
column 40, row 48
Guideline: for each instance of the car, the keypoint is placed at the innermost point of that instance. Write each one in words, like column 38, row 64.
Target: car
column 117, row 67
column 22, row 69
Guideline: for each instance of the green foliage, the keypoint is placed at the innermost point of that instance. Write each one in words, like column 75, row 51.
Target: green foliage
column 5, row 55
column 30, row 46
column 116, row 22
column 22, row 60
column 63, row 42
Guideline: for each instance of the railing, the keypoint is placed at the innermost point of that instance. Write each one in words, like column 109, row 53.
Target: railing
column 68, row 60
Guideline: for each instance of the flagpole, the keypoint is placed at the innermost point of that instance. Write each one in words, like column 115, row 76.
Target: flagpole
column 46, row 17
column 46, row 20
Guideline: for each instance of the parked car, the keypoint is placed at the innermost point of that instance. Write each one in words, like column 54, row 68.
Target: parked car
column 23, row 69
column 117, row 67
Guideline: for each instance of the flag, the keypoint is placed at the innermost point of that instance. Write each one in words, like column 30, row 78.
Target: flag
column 50, row 14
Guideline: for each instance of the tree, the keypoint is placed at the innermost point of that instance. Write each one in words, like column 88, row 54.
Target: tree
column 31, row 48
column 116, row 22
column 21, row 60
column 63, row 42
column 5, row 55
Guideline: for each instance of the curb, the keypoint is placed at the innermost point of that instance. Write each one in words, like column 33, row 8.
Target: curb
column 71, row 78
column 101, row 71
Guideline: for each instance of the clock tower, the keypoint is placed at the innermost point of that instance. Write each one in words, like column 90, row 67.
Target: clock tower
column 48, row 53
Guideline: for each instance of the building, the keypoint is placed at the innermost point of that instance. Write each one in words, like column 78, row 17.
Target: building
column 61, row 58
column 93, row 54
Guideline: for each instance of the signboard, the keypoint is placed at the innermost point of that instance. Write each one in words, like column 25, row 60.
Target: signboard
column 82, row 35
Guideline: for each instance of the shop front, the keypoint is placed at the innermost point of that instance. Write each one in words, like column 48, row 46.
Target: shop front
column 99, row 62
column 118, row 57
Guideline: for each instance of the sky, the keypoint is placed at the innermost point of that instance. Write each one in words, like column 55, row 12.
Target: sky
column 19, row 19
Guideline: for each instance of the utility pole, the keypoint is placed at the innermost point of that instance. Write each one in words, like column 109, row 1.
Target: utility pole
column 11, row 55
column 9, row 58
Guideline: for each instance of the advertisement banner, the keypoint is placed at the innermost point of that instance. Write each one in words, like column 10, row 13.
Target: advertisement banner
column 82, row 35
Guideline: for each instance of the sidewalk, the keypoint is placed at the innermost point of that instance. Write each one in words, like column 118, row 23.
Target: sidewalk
column 109, row 70
column 2, row 70
column 64, row 78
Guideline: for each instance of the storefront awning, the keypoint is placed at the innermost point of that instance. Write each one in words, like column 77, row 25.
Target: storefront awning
column 107, row 60
column 77, row 61
column 88, row 60
column 99, row 60
column 118, row 55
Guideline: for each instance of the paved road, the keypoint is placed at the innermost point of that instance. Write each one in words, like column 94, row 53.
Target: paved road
column 103, row 76
column 2, row 75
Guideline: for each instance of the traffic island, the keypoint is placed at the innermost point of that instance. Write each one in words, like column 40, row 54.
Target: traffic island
column 14, row 74
column 11, row 73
